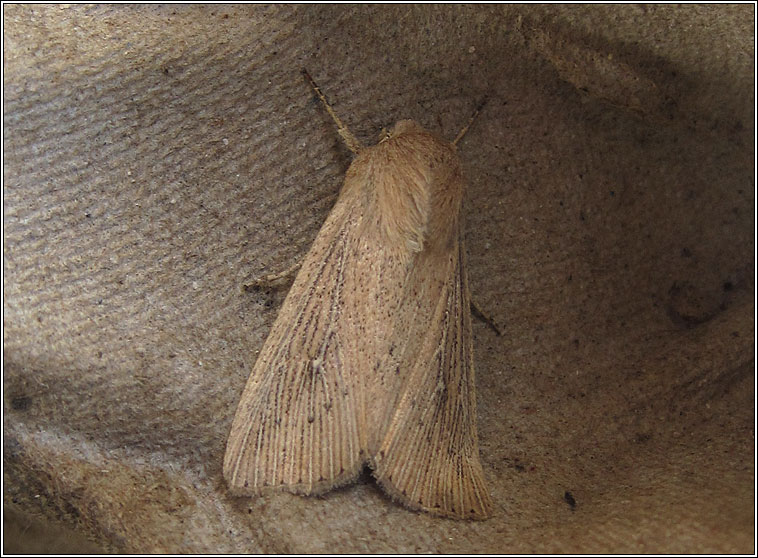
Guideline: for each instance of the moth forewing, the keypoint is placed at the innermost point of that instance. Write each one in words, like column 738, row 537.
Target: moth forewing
column 429, row 457
column 296, row 423
column 370, row 360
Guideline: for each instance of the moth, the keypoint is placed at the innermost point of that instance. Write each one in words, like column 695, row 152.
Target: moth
column 369, row 361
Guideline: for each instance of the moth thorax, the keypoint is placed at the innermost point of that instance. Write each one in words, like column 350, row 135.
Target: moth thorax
column 415, row 180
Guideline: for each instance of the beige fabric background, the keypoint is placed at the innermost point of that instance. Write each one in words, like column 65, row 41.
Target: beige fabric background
column 157, row 158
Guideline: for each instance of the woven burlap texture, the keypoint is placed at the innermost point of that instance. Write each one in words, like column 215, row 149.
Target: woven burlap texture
column 158, row 158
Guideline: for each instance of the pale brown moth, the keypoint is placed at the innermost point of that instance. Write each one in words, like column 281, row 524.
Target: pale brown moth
column 370, row 358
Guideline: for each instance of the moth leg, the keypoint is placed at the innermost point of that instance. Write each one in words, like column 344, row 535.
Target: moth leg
column 478, row 313
column 470, row 121
column 273, row 279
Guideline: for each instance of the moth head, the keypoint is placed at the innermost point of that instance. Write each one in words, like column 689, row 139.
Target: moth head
column 401, row 128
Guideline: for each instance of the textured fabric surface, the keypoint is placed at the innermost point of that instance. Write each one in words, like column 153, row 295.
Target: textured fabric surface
column 158, row 158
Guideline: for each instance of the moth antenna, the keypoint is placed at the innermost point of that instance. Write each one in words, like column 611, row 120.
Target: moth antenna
column 350, row 140
column 470, row 122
